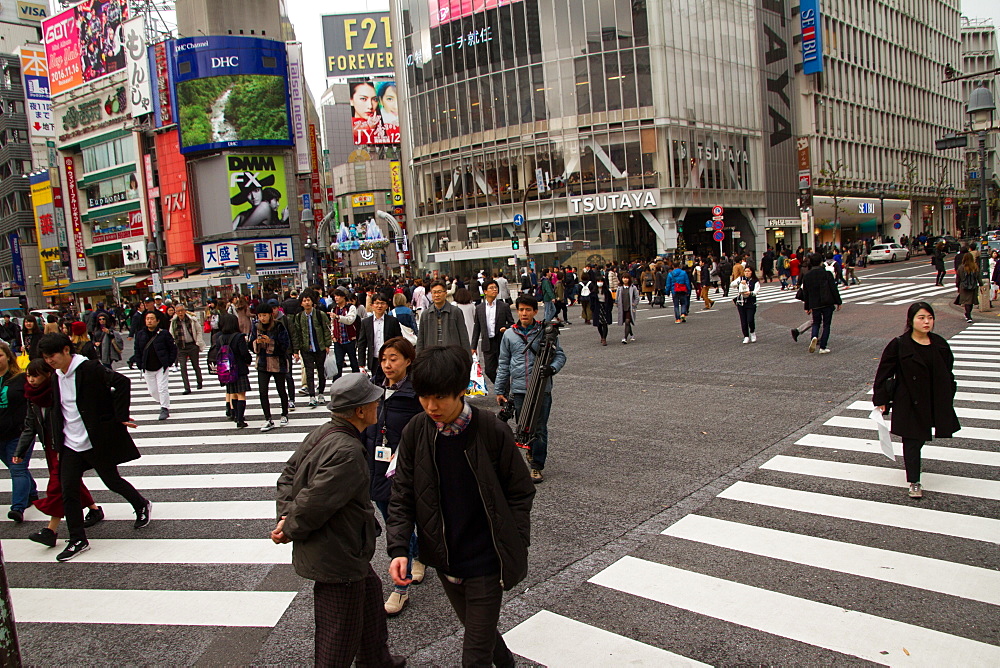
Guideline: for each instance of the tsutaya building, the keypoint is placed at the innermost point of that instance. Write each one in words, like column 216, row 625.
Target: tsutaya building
column 615, row 127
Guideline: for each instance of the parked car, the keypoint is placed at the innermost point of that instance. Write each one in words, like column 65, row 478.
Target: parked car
column 888, row 253
column 951, row 244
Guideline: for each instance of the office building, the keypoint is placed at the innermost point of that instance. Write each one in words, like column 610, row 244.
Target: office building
column 979, row 54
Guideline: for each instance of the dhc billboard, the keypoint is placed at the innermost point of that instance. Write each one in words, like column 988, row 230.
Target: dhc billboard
column 230, row 92
column 812, row 36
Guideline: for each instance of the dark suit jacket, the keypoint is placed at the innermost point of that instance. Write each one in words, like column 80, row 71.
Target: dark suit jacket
column 366, row 338
column 504, row 319
column 103, row 398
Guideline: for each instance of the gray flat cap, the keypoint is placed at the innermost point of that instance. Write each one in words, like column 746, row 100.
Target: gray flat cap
column 352, row 390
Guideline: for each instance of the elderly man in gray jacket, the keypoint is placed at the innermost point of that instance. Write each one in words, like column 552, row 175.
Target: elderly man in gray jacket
column 325, row 511
column 442, row 324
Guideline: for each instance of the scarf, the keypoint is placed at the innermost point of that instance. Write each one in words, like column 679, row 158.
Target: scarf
column 40, row 396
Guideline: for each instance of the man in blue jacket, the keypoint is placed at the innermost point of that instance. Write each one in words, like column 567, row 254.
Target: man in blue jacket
column 518, row 348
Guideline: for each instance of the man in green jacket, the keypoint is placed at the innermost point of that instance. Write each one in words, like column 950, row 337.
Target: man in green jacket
column 325, row 511
column 310, row 334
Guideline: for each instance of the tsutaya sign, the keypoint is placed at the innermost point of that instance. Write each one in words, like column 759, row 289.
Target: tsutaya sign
column 635, row 200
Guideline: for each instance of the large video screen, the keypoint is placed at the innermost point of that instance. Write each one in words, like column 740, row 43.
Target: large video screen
column 230, row 92
column 84, row 43
column 446, row 11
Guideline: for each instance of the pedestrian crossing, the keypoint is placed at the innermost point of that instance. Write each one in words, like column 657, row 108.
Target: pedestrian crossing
column 212, row 488
column 816, row 558
column 868, row 292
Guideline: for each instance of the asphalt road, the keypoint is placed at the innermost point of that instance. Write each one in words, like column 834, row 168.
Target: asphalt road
column 644, row 437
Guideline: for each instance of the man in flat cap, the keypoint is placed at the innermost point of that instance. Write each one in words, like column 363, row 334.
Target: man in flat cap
column 325, row 510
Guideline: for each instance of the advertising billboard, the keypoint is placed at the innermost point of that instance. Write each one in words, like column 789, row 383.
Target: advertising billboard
column 230, row 92
column 178, row 222
column 446, row 11
column 375, row 115
column 396, row 182
column 297, row 99
column 812, row 37
column 257, row 190
column 225, row 254
column 45, row 228
column 358, row 44
column 85, row 43
column 37, row 103
column 140, row 92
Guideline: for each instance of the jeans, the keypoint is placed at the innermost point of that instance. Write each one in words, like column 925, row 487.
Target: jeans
column 550, row 311
column 158, row 384
column 351, row 348
column 681, row 302
column 822, row 316
column 22, row 484
column 185, row 352
column 911, row 458
column 383, row 507
column 477, row 603
column 263, row 384
column 314, row 362
column 540, row 442
column 72, row 464
column 747, row 314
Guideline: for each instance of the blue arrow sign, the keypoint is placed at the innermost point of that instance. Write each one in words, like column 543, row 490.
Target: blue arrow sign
column 518, row 219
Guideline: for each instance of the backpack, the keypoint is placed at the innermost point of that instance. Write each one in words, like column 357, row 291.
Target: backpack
column 970, row 281
column 223, row 362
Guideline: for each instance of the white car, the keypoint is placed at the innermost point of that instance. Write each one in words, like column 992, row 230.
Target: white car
column 888, row 253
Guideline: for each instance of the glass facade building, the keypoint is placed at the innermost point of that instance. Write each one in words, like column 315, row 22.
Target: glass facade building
column 617, row 124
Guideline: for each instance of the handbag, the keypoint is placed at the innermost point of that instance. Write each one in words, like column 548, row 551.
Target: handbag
column 207, row 327
column 22, row 361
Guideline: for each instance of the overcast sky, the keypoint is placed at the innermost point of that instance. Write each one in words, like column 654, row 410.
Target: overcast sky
column 305, row 14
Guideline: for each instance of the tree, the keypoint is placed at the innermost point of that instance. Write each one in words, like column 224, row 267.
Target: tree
column 908, row 184
column 833, row 183
column 937, row 184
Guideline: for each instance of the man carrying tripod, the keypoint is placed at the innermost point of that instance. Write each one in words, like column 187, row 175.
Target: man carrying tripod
column 519, row 347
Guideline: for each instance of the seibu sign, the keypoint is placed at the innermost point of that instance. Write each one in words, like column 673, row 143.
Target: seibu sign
column 636, row 200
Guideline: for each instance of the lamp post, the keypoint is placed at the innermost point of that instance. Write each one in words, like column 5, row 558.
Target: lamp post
column 980, row 109
column 524, row 213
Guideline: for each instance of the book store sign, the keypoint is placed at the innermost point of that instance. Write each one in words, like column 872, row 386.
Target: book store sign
column 634, row 200
column 93, row 114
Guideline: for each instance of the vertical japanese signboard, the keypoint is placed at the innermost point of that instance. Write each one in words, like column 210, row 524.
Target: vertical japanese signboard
column 17, row 264
column 45, row 227
column 396, row 182
column 74, row 213
column 317, row 189
column 812, row 36
column 140, row 94
column 297, row 98
column 37, row 103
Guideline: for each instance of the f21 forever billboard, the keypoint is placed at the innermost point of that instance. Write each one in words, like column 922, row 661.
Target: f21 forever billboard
column 230, row 92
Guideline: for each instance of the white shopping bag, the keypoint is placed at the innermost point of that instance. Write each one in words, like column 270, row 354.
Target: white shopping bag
column 884, row 441
column 477, row 382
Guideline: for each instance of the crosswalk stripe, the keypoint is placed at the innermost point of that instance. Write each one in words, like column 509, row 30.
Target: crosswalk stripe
column 877, row 475
column 281, row 435
column 253, row 411
column 910, row 518
column 145, row 606
column 973, row 396
column 978, row 363
column 200, row 459
column 185, row 510
column 206, row 481
column 560, row 642
column 971, row 413
column 176, row 422
column 891, row 293
column 909, row 570
column 975, row 433
column 935, row 452
column 834, row 628
column 973, row 348
column 978, row 384
column 976, row 356
column 966, row 372
column 929, row 293
column 161, row 551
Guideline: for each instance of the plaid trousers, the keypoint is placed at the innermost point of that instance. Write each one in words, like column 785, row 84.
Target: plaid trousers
column 350, row 622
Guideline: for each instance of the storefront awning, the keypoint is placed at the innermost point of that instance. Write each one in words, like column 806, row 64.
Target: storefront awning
column 131, row 281
column 97, row 285
column 504, row 250
column 173, row 276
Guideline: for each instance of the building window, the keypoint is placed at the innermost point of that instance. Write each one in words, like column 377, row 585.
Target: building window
column 112, row 153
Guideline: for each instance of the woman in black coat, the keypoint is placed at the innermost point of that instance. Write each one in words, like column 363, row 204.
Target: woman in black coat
column 395, row 410
column 938, row 261
column 236, row 391
column 601, row 304
column 31, row 331
column 922, row 400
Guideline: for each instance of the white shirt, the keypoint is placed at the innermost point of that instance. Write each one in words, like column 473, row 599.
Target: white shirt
column 504, row 288
column 74, row 432
column 491, row 317
column 378, row 325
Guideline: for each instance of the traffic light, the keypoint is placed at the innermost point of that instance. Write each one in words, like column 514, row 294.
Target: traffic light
column 515, row 243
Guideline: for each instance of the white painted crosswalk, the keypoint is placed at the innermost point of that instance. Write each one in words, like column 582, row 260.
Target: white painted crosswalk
column 819, row 526
column 886, row 293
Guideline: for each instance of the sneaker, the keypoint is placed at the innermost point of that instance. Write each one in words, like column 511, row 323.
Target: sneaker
column 677, row 322
column 319, row 399
column 968, row 320
column 753, row 338
column 536, row 476
column 46, row 537
column 824, row 351
column 746, row 339
column 304, row 391
column 916, row 491
column 631, row 338
column 813, row 344
column 16, row 515
column 93, row 517
column 795, row 335
column 417, row 571
column 624, row 342
column 143, row 516
column 242, row 425
column 684, row 318
column 313, row 403
column 291, row 406
column 164, row 414
column 73, row 548
column 284, row 421
column 396, row 603
column 268, row 426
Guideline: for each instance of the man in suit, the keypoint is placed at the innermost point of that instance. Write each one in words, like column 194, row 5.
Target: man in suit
column 374, row 331
column 493, row 317
column 90, row 431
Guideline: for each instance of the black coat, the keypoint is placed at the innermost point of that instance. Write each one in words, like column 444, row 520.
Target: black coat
column 601, row 314
column 12, row 417
column 31, row 343
column 139, row 321
column 103, row 398
column 394, row 413
column 480, row 330
column 924, row 396
column 282, row 345
column 38, row 421
column 819, row 289
column 158, row 343
column 366, row 338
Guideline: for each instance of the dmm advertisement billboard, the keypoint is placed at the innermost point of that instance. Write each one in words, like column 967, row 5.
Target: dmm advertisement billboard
column 230, row 92
column 375, row 117
column 84, row 43
column 358, row 44
column 257, row 190
column 446, row 11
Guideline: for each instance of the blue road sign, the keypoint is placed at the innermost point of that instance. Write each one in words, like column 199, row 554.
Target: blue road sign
column 518, row 219
column 719, row 236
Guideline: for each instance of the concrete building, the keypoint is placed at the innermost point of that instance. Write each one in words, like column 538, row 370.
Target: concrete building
column 979, row 54
column 869, row 120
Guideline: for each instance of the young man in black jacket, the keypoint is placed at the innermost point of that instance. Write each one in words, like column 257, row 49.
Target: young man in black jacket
column 461, row 479
column 155, row 352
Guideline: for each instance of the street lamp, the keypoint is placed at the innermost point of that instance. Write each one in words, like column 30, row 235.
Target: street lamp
column 980, row 109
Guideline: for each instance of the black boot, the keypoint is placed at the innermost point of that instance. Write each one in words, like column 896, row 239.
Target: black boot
column 229, row 410
column 241, row 409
